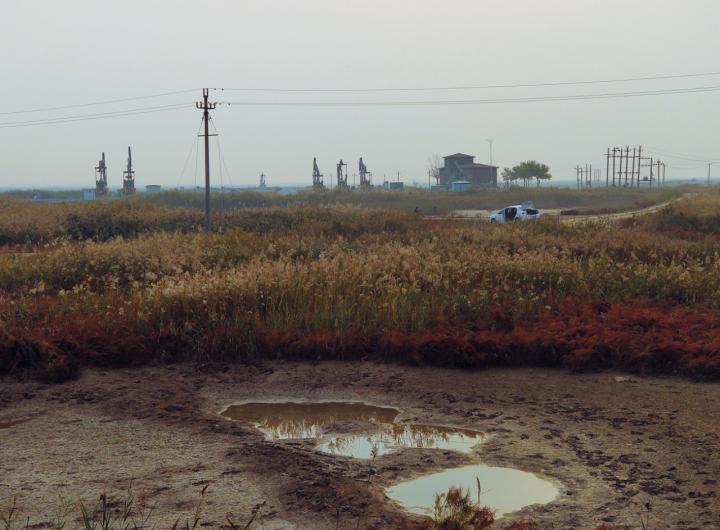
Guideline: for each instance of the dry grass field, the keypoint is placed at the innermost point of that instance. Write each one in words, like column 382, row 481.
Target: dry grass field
column 136, row 283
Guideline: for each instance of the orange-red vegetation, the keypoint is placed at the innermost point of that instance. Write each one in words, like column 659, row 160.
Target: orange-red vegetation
column 641, row 337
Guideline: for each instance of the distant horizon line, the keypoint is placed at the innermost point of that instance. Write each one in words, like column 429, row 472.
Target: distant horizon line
column 280, row 186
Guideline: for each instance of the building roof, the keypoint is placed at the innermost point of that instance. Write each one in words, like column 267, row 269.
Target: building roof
column 468, row 166
column 459, row 155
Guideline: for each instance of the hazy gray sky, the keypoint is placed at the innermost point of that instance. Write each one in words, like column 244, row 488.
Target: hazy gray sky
column 72, row 51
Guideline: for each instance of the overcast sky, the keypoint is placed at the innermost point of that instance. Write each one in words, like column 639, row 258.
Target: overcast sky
column 55, row 53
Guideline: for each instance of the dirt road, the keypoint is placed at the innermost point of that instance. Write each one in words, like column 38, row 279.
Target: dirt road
column 611, row 441
column 484, row 215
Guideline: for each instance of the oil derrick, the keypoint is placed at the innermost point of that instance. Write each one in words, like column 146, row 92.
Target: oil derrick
column 101, row 185
column 263, row 185
column 317, row 177
column 365, row 177
column 341, row 175
column 129, row 177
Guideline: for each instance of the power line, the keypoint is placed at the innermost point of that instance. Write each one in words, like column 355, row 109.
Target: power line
column 396, row 103
column 220, row 154
column 187, row 159
column 680, row 156
column 106, row 102
column 673, row 166
column 95, row 116
column 475, row 87
column 536, row 99
column 382, row 89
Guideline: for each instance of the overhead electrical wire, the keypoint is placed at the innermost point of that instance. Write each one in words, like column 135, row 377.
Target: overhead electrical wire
column 187, row 159
column 390, row 103
column 95, row 116
column 220, row 154
column 679, row 156
column 474, row 87
column 685, row 168
column 535, row 99
column 97, row 103
column 369, row 89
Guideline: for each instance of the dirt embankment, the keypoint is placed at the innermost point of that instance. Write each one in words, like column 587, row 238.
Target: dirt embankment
column 613, row 442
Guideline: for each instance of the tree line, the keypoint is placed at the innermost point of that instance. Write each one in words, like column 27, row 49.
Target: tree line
column 526, row 172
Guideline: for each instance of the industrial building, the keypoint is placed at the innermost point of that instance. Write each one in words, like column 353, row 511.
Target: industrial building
column 461, row 167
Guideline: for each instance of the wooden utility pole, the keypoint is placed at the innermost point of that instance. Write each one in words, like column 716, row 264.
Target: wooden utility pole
column 632, row 174
column 651, row 171
column 206, row 107
column 613, row 181
column 639, row 164
column 607, row 169
column 627, row 164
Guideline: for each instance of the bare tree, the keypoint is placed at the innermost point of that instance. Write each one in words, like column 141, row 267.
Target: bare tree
column 433, row 167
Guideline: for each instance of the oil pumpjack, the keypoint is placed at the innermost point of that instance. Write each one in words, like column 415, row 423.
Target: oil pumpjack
column 341, row 176
column 101, row 183
column 129, row 177
column 365, row 176
column 317, row 177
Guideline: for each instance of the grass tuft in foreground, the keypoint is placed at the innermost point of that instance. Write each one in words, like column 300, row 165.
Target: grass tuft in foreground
column 126, row 513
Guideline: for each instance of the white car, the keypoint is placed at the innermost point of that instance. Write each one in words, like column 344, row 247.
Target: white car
column 519, row 212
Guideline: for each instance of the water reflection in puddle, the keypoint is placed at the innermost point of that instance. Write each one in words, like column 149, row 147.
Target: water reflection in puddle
column 279, row 421
column 505, row 490
column 394, row 437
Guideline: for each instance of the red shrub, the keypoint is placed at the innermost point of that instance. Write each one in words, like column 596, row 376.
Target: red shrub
column 639, row 337
column 444, row 346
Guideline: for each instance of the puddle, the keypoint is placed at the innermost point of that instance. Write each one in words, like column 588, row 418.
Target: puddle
column 280, row 421
column 283, row 421
column 392, row 438
column 505, row 490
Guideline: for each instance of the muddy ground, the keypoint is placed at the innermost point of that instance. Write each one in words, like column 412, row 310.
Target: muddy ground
column 612, row 442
